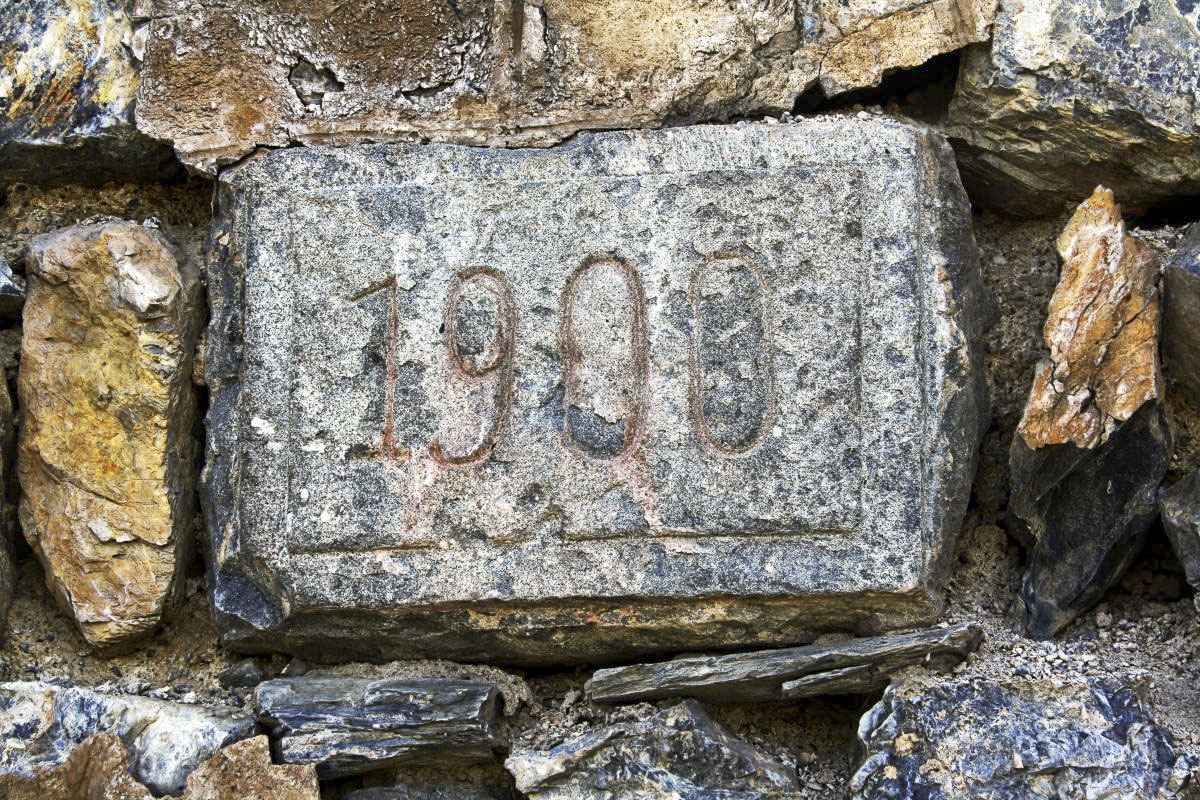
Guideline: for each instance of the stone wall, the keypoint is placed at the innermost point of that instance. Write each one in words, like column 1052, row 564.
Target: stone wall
column 538, row 399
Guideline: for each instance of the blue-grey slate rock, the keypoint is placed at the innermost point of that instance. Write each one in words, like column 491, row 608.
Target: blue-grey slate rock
column 1085, row 513
column 1181, row 313
column 852, row 666
column 676, row 754
column 1075, row 93
column 1016, row 740
column 1179, row 505
column 41, row 723
column 245, row 674
column 345, row 725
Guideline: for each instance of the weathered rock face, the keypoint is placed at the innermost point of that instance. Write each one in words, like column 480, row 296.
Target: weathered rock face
column 642, row 414
column 858, row 665
column 345, row 725
column 68, row 82
column 107, row 457
column 1180, row 508
column 1072, row 93
column 222, row 78
column 1181, row 319
column 243, row 770
column 677, row 753
column 96, row 769
column 1016, row 741
column 1093, row 444
column 41, row 724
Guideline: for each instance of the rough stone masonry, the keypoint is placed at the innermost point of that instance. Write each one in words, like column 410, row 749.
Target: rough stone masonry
column 706, row 386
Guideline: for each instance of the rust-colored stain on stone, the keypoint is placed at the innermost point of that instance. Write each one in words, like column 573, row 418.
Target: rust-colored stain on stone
column 1102, row 331
column 107, row 456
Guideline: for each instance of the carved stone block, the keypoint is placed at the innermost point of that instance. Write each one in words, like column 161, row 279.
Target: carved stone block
column 705, row 386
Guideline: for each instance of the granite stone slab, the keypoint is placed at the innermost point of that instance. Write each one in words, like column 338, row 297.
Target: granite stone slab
column 708, row 386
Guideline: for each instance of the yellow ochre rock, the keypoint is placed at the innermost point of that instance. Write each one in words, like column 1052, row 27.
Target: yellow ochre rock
column 107, row 456
column 1102, row 331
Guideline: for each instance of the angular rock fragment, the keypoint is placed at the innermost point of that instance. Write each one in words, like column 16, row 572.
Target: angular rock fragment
column 107, row 457
column 41, row 724
column 222, row 78
column 1102, row 331
column 1180, row 509
column 1017, row 740
column 643, row 417
column 243, row 770
column 68, row 82
column 1181, row 315
column 1093, row 444
column 345, row 725
column 857, row 665
column 1072, row 93
column 244, row 674
column 677, row 753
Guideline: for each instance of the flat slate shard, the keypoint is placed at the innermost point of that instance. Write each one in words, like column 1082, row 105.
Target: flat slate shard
column 794, row 671
column 345, row 725
column 707, row 386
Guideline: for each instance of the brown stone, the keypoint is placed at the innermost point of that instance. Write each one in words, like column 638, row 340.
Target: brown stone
column 1102, row 331
column 107, row 457
column 870, row 43
column 98, row 769
column 221, row 78
column 244, row 770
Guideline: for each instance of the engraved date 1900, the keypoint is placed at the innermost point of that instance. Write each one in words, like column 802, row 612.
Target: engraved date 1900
column 730, row 355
